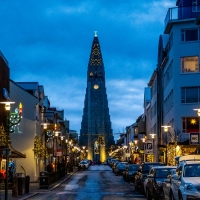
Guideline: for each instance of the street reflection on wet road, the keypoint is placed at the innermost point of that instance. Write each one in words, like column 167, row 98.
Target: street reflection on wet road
column 96, row 183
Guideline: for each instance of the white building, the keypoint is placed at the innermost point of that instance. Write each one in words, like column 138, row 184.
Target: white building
column 175, row 86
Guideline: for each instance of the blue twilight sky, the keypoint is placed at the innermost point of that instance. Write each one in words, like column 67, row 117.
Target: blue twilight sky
column 49, row 42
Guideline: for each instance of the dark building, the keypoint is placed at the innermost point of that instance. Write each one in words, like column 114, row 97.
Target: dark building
column 96, row 133
column 4, row 86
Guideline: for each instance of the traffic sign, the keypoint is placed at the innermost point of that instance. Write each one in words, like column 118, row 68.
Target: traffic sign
column 194, row 138
column 149, row 146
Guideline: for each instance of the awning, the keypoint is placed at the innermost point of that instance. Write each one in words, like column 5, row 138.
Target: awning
column 14, row 152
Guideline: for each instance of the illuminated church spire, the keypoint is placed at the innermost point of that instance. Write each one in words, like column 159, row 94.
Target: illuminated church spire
column 96, row 124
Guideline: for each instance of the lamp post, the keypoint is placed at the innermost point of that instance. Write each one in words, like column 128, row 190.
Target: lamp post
column 144, row 144
column 198, row 113
column 7, row 108
column 153, row 137
column 56, row 133
column 166, row 128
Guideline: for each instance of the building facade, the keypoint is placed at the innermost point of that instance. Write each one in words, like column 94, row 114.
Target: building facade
column 96, row 132
column 174, row 85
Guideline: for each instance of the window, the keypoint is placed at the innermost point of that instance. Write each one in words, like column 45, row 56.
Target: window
column 190, row 64
column 195, row 5
column 189, row 34
column 190, row 124
column 190, row 94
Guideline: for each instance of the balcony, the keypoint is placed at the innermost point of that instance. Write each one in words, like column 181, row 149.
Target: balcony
column 177, row 14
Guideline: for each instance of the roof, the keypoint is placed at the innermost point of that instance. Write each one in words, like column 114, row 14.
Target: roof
column 14, row 152
column 192, row 162
column 28, row 85
column 189, row 157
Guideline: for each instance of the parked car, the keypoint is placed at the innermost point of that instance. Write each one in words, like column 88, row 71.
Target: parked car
column 114, row 165
column 130, row 172
column 112, row 161
column 120, row 167
column 167, row 184
column 185, row 184
column 142, row 174
column 154, row 185
column 83, row 164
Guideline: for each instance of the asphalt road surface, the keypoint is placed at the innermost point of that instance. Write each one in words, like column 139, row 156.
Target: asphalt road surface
column 96, row 183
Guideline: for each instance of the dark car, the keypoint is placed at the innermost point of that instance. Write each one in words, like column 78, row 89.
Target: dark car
column 112, row 161
column 120, row 167
column 156, row 178
column 142, row 174
column 130, row 172
column 114, row 165
column 167, row 184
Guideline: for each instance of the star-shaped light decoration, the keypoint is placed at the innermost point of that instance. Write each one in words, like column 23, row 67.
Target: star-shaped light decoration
column 193, row 121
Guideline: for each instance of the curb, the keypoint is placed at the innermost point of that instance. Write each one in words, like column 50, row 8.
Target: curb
column 50, row 189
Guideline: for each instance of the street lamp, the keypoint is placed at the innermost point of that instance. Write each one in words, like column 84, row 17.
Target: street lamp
column 144, row 145
column 153, row 137
column 166, row 128
column 7, row 108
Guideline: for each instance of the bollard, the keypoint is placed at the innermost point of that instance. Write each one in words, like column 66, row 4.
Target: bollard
column 27, row 184
column 15, row 187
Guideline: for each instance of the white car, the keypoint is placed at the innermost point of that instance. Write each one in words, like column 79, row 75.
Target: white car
column 84, row 164
column 186, row 183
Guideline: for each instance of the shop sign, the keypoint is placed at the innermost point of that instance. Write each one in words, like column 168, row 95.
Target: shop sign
column 194, row 138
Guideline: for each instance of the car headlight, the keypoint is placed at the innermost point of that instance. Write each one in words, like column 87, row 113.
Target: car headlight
column 190, row 187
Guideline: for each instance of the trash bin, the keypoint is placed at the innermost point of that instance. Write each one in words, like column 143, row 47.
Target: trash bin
column 44, row 179
column 21, row 185
column 27, row 184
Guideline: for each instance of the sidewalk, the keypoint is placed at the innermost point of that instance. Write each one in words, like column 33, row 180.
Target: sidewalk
column 34, row 189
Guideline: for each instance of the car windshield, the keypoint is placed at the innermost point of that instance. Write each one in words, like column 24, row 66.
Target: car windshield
column 162, row 173
column 192, row 170
column 83, row 162
column 134, row 167
column 147, row 167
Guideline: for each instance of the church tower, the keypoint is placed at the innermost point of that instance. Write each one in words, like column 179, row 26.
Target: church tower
column 96, row 133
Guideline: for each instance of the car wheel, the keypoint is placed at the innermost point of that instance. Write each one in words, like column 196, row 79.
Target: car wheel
column 154, row 196
column 136, row 187
column 180, row 196
column 142, row 190
column 171, row 196
column 148, row 196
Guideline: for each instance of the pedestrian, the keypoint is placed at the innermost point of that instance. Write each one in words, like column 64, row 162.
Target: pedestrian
column 11, row 168
column 49, row 167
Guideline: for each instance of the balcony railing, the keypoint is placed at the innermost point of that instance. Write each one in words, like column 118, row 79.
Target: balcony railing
column 180, row 13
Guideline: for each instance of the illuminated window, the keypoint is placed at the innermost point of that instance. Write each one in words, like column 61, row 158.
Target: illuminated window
column 190, row 124
column 190, row 64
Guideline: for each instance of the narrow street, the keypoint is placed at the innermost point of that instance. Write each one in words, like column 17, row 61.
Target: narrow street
column 96, row 183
